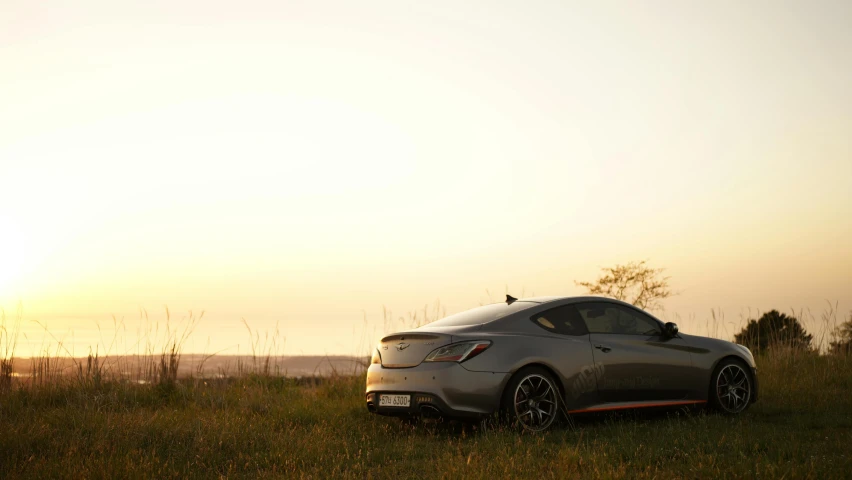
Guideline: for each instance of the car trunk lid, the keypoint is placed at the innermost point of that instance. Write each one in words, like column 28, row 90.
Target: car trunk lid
column 408, row 349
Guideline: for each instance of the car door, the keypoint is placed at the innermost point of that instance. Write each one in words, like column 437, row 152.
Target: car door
column 634, row 361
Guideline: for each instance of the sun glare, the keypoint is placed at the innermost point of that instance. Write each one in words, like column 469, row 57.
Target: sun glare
column 312, row 168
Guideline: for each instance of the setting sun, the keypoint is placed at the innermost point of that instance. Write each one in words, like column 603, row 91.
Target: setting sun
column 298, row 168
column 395, row 239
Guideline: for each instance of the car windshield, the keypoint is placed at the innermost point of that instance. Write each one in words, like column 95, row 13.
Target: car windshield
column 483, row 314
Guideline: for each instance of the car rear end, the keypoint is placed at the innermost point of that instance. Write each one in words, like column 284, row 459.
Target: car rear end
column 423, row 374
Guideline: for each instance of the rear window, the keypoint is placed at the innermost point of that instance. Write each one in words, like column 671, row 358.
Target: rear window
column 564, row 320
column 483, row 314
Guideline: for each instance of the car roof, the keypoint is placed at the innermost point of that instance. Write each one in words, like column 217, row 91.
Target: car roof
column 584, row 298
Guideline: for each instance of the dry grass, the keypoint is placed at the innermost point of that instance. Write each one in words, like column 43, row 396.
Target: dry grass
column 90, row 418
column 8, row 342
column 264, row 352
column 319, row 428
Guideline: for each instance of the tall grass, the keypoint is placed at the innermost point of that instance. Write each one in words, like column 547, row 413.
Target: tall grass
column 108, row 415
column 277, row 427
column 413, row 319
column 8, row 343
column 154, row 354
column 166, row 369
column 824, row 326
column 154, row 357
column 265, row 352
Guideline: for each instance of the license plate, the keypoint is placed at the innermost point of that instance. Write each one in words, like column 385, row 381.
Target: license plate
column 394, row 400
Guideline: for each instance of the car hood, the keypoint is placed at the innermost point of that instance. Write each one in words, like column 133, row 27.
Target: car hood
column 716, row 345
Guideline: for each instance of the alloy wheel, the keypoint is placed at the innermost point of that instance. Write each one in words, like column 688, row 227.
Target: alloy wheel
column 535, row 402
column 733, row 388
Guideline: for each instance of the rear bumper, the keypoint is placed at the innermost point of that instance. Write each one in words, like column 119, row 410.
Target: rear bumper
column 443, row 388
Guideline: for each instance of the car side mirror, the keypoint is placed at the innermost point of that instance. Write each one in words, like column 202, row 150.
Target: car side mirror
column 670, row 329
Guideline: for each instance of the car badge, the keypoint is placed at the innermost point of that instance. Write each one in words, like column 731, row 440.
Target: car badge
column 402, row 346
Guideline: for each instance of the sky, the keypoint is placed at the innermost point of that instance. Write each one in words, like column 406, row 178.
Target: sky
column 305, row 165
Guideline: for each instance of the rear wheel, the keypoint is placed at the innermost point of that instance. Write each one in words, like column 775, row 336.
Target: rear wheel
column 731, row 387
column 531, row 399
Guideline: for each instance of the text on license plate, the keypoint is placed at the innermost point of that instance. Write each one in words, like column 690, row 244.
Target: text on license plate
column 394, row 400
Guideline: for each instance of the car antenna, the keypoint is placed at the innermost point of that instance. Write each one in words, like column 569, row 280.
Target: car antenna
column 510, row 299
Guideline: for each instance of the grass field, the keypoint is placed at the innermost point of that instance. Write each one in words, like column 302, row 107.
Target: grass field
column 274, row 427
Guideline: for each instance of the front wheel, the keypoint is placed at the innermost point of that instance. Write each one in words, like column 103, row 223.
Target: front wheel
column 531, row 399
column 731, row 387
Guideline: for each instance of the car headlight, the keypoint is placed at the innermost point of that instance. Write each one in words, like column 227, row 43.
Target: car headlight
column 458, row 352
column 377, row 357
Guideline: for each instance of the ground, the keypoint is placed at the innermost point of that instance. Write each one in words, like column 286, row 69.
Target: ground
column 273, row 427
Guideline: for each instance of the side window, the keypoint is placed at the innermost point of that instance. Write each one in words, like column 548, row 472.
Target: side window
column 611, row 318
column 564, row 320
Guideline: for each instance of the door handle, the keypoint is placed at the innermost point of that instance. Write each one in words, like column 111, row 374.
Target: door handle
column 603, row 348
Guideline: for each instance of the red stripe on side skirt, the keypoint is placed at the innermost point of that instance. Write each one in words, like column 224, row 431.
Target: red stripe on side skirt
column 638, row 405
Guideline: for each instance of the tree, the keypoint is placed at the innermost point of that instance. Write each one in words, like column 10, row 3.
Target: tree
column 635, row 282
column 772, row 330
column 843, row 338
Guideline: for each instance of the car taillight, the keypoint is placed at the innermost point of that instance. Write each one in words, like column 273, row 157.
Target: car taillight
column 377, row 357
column 458, row 352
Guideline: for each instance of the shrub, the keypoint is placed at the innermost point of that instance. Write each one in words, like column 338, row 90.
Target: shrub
column 772, row 330
column 843, row 338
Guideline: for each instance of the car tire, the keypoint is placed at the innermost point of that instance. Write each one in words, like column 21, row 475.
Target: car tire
column 731, row 387
column 531, row 400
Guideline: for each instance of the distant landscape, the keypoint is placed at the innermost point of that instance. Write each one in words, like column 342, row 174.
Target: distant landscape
column 133, row 367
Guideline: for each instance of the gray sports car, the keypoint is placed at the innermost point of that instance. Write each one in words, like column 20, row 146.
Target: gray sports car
column 535, row 358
